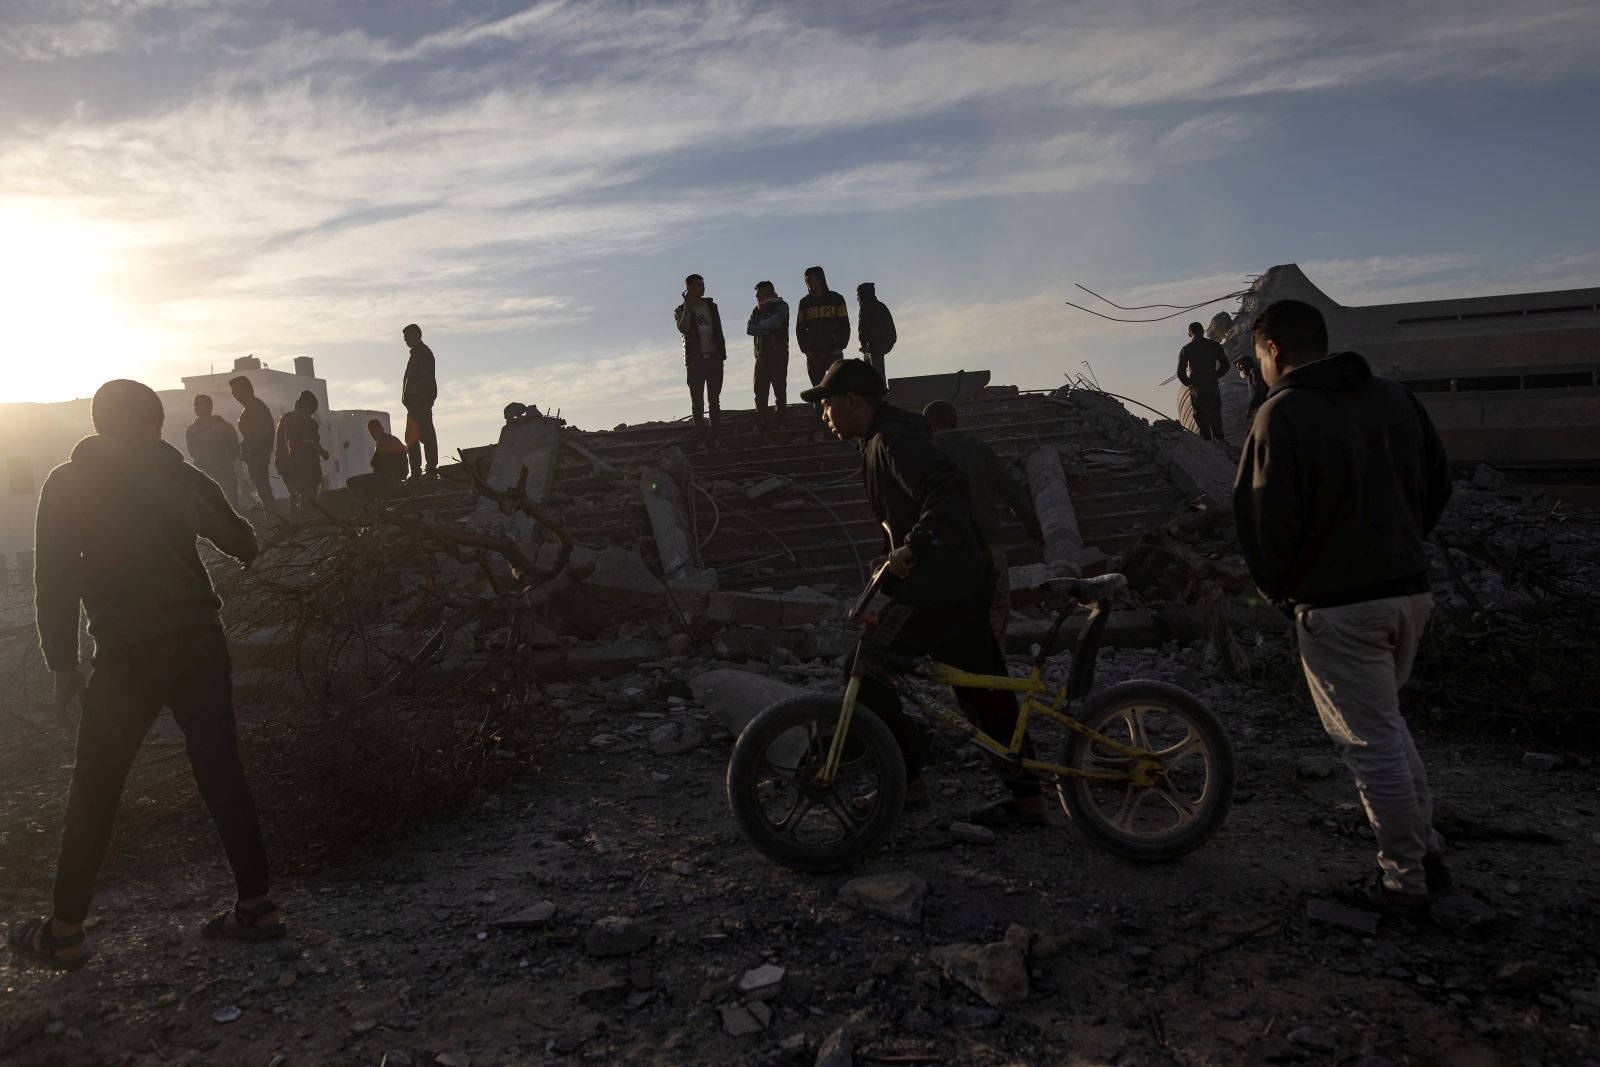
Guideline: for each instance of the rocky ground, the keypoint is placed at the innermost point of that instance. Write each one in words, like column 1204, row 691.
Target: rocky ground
column 607, row 911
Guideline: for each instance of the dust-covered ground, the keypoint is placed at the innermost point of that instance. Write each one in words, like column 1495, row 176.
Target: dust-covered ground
column 395, row 957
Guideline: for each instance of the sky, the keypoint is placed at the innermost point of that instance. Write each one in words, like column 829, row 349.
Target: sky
column 187, row 181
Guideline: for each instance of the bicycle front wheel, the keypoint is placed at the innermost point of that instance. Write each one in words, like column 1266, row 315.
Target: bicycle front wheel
column 788, row 815
column 1191, row 793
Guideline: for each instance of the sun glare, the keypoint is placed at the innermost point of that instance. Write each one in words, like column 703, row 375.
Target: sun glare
column 65, row 329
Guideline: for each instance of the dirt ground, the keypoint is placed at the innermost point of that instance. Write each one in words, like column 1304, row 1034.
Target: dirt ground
column 394, row 956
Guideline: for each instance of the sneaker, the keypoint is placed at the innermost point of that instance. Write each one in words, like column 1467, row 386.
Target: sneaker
column 1370, row 894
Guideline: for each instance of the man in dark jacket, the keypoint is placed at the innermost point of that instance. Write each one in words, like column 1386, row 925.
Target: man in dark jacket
column 704, row 352
column 876, row 327
column 1342, row 477
column 116, row 534
column 821, row 327
column 213, row 446
column 1250, row 370
column 1202, row 364
column 418, row 390
column 769, row 325
column 941, row 577
column 990, row 481
column 256, row 432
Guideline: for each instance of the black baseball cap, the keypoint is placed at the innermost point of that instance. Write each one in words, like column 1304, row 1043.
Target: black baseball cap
column 847, row 376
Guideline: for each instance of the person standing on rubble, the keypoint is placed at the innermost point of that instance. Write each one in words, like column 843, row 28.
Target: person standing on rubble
column 769, row 325
column 821, row 328
column 116, row 532
column 990, row 481
column 1342, row 478
column 418, row 390
column 704, row 352
column 1250, row 370
column 941, row 578
column 300, row 454
column 255, row 440
column 213, row 445
column 1202, row 364
column 875, row 326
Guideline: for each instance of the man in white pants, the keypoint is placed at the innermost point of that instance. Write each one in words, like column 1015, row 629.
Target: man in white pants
column 1341, row 479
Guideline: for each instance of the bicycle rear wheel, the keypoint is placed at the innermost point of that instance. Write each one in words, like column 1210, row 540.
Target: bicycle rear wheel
column 1192, row 792
column 791, row 818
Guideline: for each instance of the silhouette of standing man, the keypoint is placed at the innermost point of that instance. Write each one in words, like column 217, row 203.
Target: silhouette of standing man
column 116, row 535
column 417, row 393
column 1202, row 364
column 214, row 445
column 256, row 431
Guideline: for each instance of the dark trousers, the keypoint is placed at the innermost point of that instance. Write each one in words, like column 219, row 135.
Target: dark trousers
column 877, row 364
column 960, row 635
column 705, row 384
column 420, row 438
column 189, row 672
column 226, row 480
column 1207, row 412
column 261, row 480
column 772, row 372
column 817, row 364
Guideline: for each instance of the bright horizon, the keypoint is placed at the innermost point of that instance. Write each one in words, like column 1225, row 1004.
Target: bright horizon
column 183, row 182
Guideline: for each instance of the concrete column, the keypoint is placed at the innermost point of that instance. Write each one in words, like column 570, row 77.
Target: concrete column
column 690, row 582
column 1063, row 542
column 526, row 456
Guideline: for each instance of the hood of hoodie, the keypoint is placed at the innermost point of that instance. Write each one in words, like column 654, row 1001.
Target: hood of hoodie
column 126, row 451
column 1342, row 372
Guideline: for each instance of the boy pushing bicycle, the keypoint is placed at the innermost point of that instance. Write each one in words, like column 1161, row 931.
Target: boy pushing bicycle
column 941, row 575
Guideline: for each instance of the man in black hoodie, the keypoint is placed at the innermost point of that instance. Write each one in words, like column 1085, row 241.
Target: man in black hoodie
column 256, row 430
column 116, row 533
column 1341, row 479
column 704, row 352
column 1202, row 364
column 876, row 327
column 941, row 576
column 821, row 327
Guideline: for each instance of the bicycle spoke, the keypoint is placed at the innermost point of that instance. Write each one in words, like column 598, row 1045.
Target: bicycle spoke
column 840, row 810
column 1185, row 807
column 797, row 813
column 1130, row 807
column 1175, row 754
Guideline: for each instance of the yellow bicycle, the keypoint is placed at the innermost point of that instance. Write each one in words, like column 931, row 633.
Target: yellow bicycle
column 1143, row 768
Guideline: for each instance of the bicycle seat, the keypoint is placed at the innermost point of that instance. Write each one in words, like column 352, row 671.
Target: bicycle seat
column 1086, row 590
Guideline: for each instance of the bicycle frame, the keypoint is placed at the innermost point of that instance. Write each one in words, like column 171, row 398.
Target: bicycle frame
column 1146, row 765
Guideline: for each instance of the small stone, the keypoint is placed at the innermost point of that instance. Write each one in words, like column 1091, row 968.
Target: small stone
column 837, row 1050
column 897, row 896
column 660, row 776
column 998, row 973
column 1332, row 913
column 616, row 935
column 453, row 1059
column 1524, row 974
column 762, row 1013
column 228, row 1014
column 966, row 1017
column 678, row 644
column 1462, row 913
column 763, row 982
column 534, row 917
column 286, row 980
column 884, row 964
column 1310, row 1037
column 682, row 868
column 363, row 1026
column 1313, row 766
column 1140, row 953
column 973, row 834
column 315, row 938
column 604, row 741
column 739, row 1022
column 1541, row 761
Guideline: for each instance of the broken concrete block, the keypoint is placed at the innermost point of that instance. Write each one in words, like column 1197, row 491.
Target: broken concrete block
column 621, row 577
column 898, row 896
column 526, row 454
column 535, row 917
column 735, row 697
column 616, row 935
column 998, row 973
column 763, row 982
column 794, row 608
column 763, row 487
column 1200, row 467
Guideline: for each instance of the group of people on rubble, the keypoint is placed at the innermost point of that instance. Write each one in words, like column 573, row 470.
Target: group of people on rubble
column 821, row 330
column 293, row 445
column 1342, row 478
column 1202, row 364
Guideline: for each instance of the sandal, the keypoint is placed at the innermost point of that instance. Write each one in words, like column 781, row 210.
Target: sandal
column 246, row 925
column 1006, row 813
column 24, row 934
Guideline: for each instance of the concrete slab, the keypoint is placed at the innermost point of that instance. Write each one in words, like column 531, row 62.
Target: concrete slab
column 1200, row 467
column 527, row 449
column 793, row 608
